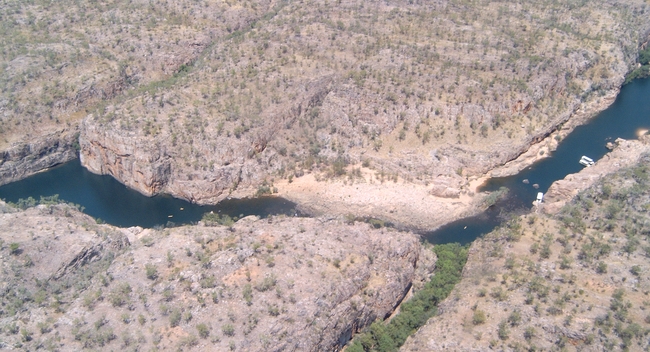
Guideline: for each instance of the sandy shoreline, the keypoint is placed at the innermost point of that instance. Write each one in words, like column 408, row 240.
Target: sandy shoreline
column 406, row 204
column 413, row 205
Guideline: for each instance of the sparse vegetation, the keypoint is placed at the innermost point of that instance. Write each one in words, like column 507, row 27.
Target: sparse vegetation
column 595, row 247
column 224, row 97
column 414, row 313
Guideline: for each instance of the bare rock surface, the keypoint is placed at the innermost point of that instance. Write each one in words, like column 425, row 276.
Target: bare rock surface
column 574, row 280
column 281, row 283
column 25, row 159
column 624, row 154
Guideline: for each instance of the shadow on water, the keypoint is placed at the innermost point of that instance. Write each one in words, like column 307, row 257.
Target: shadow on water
column 625, row 118
column 466, row 230
column 105, row 198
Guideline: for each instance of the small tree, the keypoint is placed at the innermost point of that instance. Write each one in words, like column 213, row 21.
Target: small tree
column 515, row 318
column 203, row 330
column 479, row 317
column 504, row 331
column 228, row 330
column 174, row 318
column 14, row 248
column 529, row 333
column 152, row 272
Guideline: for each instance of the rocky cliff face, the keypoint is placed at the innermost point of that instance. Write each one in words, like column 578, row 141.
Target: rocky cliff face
column 25, row 159
column 624, row 154
column 61, row 62
column 139, row 164
column 322, row 96
column 160, row 162
column 260, row 285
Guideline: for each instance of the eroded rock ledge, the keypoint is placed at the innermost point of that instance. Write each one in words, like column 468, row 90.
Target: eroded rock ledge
column 625, row 154
column 25, row 159
column 261, row 285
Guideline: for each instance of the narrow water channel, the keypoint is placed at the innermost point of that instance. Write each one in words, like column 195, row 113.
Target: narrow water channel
column 104, row 198
column 625, row 118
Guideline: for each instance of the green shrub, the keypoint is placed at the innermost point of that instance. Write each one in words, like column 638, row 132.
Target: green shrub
column 203, row 330
column 529, row 333
column 273, row 310
column 152, row 272
column 644, row 56
column 479, row 317
column 212, row 219
column 14, row 248
column 504, row 331
column 515, row 318
column 414, row 313
column 228, row 330
column 174, row 318
column 268, row 283
column 120, row 295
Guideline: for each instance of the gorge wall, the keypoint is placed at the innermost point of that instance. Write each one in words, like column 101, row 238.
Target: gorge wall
column 273, row 284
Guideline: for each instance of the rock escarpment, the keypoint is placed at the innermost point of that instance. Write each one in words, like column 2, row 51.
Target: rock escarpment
column 160, row 162
column 139, row 164
column 25, row 159
column 62, row 62
column 318, row 98
column 625, row 154
column 259, row 285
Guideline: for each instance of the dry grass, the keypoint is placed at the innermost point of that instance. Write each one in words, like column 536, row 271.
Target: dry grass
column 576, row 280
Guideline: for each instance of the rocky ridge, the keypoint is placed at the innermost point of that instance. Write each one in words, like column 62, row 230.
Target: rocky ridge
column 283, row 109
column 23, row 160
column 259, row 285
column 60, row 61
column 571, row 280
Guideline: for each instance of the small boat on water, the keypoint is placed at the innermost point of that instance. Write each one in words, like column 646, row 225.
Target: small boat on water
column 586, row 161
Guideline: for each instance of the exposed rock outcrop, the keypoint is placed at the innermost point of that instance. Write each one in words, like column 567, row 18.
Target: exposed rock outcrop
column 625, row 153
column 25, row 159
column 137, row 163
column 261, row 285
column 153, row 164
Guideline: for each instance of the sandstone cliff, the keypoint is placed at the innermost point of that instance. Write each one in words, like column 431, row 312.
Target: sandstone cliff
column 420, row 100
column 61, row 61
column 261, row 285
column 25, row 159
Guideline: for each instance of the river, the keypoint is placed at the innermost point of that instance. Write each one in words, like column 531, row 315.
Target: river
column 625, row 118
column 105, row 198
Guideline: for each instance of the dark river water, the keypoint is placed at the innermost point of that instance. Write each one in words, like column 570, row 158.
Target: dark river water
column 104, row 198
column 629, row 114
